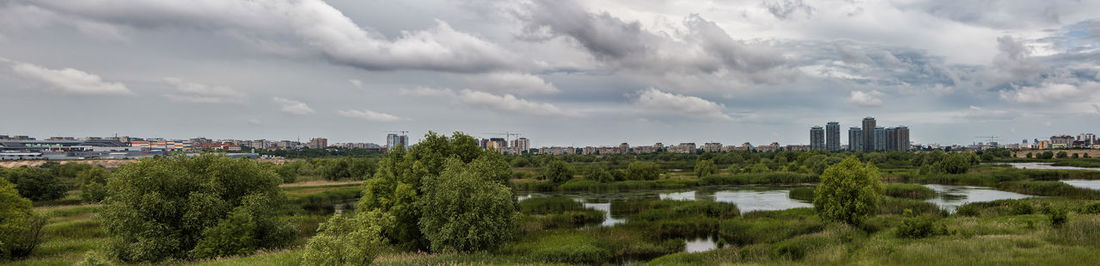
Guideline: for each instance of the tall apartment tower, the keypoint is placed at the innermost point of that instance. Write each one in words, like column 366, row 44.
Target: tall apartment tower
column 855, row 139
column 880, row 139
column 394, row 140
column 869, row 134
column 817, row 138
column 891, row 139
column 832, row 136
column 902, row 138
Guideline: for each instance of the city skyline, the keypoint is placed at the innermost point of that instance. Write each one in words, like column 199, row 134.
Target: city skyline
column 351, row 71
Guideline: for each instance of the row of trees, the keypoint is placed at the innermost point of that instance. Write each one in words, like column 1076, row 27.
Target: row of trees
column 50, row 181
column 344, row 168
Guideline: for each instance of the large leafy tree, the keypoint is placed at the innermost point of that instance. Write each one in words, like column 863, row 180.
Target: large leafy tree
column 467, row 210
column 93, row 184
column 557, row 172
column 705, row 168
column 183, row 207
column 20, row 227
column 849, row 191
column 639, row 170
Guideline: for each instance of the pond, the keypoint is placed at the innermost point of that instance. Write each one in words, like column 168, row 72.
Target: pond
column 1089, row 184
column 700, row 244
column 950, row 197
column 1046, row 166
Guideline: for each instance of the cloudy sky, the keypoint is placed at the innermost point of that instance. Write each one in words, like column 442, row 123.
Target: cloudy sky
column 559, row 72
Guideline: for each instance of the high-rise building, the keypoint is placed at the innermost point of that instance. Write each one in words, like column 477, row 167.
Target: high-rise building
column 869, row 134
column 520, row 145
column 318, row 143
column 817, row 138
column 855, row 139
column 394, row 140
column 832, row 136
column 880, row 139
column 891, row 139
column 902, row 138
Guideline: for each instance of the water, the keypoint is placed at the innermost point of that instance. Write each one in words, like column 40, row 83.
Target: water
column 1089, row 184
column 747, row 198
column 1047, row 166
column 951, row 197
column 700, row 245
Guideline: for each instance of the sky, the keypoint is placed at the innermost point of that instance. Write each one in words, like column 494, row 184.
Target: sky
column 559, row 72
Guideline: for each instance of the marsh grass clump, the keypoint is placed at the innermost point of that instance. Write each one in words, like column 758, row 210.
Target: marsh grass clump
column 1084, row 230
column 996, row 208
column 1049, row 188
column 802, row 193
column 547, row 205
column 910, row 191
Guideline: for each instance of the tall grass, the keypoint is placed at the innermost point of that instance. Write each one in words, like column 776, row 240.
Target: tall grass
column 1049, row 188
column 910, row 191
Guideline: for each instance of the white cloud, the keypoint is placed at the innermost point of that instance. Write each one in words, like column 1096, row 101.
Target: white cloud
column 292, row 107
column 975, row 113
column 357, row 83
column 429, row 92
column 511, row 83
column 71, row 81
column 369, row 115
column 509, row 103
column 202, row 93
column 656, row 100
column 866, row 99
column 1051, row 93
column 313, row 23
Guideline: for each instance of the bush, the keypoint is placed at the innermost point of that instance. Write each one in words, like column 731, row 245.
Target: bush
column 918, row 227
column 1093, row 208
column 355, row 240
column 36, row 184
column 639, row 170
column 20, row 226
column 705, row 168
column 558, row 172
column 464, row 212
column 548, row 205
column 93, row 184
column 911, row 191
column 1057, row 216
column 849, row 192
column 184, row 207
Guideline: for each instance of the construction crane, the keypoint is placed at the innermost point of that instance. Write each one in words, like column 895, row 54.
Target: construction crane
column 507, row 136
column 990, row 139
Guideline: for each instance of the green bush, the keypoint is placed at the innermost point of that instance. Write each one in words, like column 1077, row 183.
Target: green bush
column 182, row 207
column 705, row 168
column 640, row 170
column 1057, row 216
column 20, row 226
column 344, row 240
column 548, row 205
column 557, row 172
column 570, row 219
column 1093, row 208
column 464, row 211
column 849, row 192
column 93, row 184
column 918, row 227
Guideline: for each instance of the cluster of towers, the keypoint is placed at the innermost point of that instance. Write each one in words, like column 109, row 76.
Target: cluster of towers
column 869, row 138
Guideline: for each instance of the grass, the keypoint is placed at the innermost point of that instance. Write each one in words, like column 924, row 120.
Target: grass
column 910, row 191
column 1049, row 188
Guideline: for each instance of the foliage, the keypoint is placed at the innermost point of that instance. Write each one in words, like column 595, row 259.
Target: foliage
column 547, row 205
column 20, row 226
column 36, row 184
column 705, row 168
column 640, row 170
column 918, row 227
column 1061, row 155
column 557, row 172
column 349, row 168
column 93, row 184
column 956, row 163
column 912, row 191
column 183, row 207
column 849, row 192
column 598, row 174
column 1057, row 215
column 343, row 240
column 465, row 211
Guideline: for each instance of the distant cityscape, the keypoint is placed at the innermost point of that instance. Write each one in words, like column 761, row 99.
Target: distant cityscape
column 869, row 137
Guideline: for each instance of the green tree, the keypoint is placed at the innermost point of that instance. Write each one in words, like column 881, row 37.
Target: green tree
column 1061, row 155
column 639, row 170
column 348, row 239
column 182, row 207
column 849, row 192
column 558, row 172
column 20, row 227
column 705, row 168
column 598, row 173
column 93, row 184
column 1029, row 155
column 465, row 210
column 1046, row 155
column 36, row 184
column 956, row 163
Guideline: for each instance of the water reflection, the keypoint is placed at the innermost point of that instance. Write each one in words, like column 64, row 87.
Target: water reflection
column 688, row 196
column 608, row 221
column 700, row 245
column 771, row 200
column 1046, row 166
column 951, row 197
column 1089, row 184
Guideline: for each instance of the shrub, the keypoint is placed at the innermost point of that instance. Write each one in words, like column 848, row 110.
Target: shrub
column 558, row 172
column 20, row 226
column 1057, row 216
column 1061, row 155
column 464, row 212
column 639, row 170
column 183, row 207
column 705, row 168
column 849, row 192
column 918, row 227
column 343, row 240
column 93, row 184
column 36, row 184
column 1093, row 208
